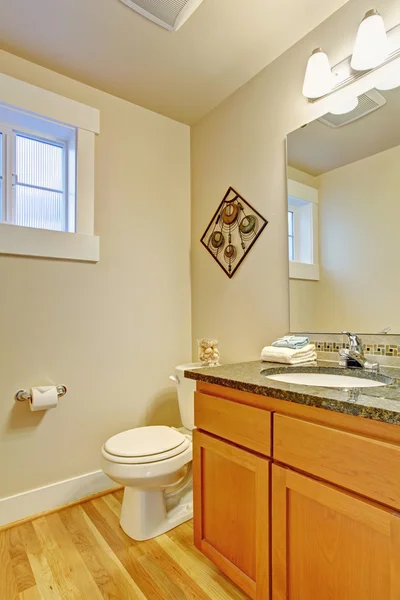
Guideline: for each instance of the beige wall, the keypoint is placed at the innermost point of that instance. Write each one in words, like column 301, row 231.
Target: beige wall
column 242, row 143
column 302, row 177
column 111, row 332
column 303, row 305
column 359, row 232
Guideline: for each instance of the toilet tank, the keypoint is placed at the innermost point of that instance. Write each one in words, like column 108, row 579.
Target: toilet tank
column 185, row 388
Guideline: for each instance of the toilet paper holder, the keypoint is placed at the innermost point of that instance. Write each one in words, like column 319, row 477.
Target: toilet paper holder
column 23, row 395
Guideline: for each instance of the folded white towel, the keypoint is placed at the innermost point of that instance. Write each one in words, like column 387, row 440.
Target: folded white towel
column 288, row 355
column 301, row 360
column 291, row 352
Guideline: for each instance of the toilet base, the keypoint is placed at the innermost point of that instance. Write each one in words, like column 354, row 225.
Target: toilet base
column 145, row 515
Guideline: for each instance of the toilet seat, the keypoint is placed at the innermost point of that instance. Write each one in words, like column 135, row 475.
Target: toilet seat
column 144, row 445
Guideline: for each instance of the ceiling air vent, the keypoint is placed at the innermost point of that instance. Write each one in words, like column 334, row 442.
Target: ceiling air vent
column 170, row 14
column 367, row 103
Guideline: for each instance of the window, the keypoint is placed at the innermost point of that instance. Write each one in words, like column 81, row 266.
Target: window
column 291, row 234
column 303, row 231
column 35, row 172
column 300, row 230
column 47, row 152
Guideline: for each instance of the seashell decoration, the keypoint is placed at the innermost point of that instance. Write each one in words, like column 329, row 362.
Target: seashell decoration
column 208, row 352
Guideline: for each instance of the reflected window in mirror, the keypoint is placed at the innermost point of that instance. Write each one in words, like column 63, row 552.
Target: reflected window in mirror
column 302, row 230
column 301, row 225
column 291, row 234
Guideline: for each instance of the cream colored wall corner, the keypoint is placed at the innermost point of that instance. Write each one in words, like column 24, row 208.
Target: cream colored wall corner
column 362, row 200
column 111, row 332
column 302, row 177
column 242, row 143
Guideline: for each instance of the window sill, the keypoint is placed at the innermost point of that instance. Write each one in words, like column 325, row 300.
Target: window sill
column 298, row 270
column 44, row 243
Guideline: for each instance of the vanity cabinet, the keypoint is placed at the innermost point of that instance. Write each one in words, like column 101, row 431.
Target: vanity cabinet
column 295, row 502
column 330, row 544
column 231, row 499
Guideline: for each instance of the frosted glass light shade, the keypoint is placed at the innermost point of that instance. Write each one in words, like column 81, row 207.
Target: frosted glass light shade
column 371, row 47
column 318, row 79
column 343, row 106
column 391, row 80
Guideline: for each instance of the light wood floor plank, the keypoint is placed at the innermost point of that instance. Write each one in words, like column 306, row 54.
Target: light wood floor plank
column 183, row 537
column 46, row 584
column 94, row 558
column 81, row 553
column 213, row 583
column 81, row 575
column 8, row 584
column 113, row 503
column 30, row 594
column 119, row 495
column 59, row 567
column 107, row 523
column 19, row 559
column 157, row 561
column 160, row 563
column 128, row 586
column 100, row 561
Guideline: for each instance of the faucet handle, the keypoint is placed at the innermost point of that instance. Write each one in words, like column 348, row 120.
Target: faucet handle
column 355, row 343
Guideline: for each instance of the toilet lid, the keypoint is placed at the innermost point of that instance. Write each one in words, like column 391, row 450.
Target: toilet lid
column 144, row 441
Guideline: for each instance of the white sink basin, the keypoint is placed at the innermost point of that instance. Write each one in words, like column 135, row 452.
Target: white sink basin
column 326, row 380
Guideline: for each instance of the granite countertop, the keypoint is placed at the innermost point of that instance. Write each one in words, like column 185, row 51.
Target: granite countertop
column 377, row 403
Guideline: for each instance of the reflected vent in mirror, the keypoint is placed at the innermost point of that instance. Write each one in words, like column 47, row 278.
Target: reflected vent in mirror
column 170, row 14
column 367, row 103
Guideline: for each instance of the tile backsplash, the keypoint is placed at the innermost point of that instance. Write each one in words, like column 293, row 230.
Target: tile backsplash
column 375, row 349
column 385, row 347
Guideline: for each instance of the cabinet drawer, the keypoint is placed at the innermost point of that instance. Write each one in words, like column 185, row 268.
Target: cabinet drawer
column 243, row 425
column 366, row 466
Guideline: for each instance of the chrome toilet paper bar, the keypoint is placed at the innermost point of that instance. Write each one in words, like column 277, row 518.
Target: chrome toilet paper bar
column 23, row 395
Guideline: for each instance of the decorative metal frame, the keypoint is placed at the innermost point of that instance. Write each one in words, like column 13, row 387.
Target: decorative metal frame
column 239, row 224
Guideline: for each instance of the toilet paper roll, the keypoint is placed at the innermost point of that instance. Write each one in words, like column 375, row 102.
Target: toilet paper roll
column 43, row 397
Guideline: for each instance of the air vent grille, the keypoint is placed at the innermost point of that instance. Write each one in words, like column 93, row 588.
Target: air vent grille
column 170, row 14
column 165, row 10
column 367, row 103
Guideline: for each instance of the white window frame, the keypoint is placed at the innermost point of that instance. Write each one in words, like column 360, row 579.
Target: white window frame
column 54, row 110
column 8, row 199
column 305, row 270
column 292, row 237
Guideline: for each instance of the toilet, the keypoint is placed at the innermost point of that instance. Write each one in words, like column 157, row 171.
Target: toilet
column 155, row 466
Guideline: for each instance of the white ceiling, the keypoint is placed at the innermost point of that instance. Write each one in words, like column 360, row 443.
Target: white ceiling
column 182, row 75
column 318, row 148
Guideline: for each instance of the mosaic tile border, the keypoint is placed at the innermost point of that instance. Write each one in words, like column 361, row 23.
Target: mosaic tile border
column 386, row 348
column 373, row 349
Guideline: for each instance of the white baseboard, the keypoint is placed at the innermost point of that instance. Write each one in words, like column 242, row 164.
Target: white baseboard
column 51, row 496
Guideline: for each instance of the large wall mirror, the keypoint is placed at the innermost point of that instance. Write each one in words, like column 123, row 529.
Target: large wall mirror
column 344, row 219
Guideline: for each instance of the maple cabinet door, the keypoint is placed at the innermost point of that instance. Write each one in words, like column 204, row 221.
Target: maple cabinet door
column 231, row 512
column 328, row 544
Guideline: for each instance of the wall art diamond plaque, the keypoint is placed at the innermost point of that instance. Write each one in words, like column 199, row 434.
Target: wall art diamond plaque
column 232, row 231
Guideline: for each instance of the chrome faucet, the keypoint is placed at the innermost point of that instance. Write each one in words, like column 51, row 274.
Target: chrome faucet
column 353, row 357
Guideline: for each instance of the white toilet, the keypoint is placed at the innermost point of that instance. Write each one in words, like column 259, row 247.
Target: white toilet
column 155, row 466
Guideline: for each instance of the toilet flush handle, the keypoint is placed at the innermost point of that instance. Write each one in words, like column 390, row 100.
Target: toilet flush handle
column 173, row 378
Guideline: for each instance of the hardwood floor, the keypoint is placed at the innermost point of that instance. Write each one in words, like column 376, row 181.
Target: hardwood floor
column 82, row 553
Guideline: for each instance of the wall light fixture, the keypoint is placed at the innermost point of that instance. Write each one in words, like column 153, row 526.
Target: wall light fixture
column 373, row 49
column 318, row 79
